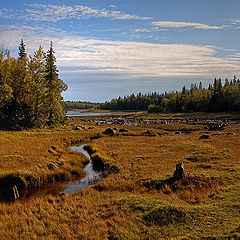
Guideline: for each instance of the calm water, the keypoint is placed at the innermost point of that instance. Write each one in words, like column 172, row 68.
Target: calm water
column 84, row 114
column 55, row 189
column 90, row 178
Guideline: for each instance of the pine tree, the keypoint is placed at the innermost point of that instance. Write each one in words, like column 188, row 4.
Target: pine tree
column 54, row 104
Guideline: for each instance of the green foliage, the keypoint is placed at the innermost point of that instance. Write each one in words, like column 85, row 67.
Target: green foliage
column 30, row 90
column 216, row 98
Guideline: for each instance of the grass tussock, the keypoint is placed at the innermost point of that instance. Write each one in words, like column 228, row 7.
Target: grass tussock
column 192, row 189
column 100, row 161
column 165, row 215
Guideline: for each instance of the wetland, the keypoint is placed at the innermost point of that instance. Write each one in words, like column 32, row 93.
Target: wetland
column 134, row 198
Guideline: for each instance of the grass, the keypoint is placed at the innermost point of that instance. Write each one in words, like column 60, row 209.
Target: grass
column 129, row 204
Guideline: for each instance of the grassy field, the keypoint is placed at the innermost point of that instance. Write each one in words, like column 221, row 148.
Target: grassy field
column 137, row 202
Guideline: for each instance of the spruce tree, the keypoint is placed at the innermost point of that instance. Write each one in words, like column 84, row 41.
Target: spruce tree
column 22, row 51
column 54, row 103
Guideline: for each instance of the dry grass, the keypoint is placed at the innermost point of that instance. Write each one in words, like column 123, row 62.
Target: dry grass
column 128, row 204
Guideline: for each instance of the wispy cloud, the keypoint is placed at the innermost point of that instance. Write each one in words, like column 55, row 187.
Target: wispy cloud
column 143, row 30
column 54, row 13
column 169, row 24
column 132, row 59
column 235, row 21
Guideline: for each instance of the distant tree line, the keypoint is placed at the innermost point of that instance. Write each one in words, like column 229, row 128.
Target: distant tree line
column 30, row 89
column 218, row 97
column 80, row 105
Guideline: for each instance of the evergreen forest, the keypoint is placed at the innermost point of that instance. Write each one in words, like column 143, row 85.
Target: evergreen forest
column 30, row 89
column 70, row 105
column 218, row 97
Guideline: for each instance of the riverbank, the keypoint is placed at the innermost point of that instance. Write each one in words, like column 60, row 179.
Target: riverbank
column 137, row 202
column 34, row 158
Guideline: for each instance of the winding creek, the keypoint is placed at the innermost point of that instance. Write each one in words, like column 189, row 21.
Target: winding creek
column 91, row 176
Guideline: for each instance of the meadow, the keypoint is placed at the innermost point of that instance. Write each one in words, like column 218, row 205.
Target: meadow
column 135, row 202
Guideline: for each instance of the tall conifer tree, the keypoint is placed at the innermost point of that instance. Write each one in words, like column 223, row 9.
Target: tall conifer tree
column 54, row 103
column 22, row 51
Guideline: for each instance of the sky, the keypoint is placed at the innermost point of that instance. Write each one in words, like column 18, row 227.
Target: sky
column 112, row 48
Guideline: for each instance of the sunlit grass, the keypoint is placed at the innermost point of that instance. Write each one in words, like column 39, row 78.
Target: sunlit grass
column 127, row 204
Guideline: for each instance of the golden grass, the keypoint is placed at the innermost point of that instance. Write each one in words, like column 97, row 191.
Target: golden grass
column 122, row 205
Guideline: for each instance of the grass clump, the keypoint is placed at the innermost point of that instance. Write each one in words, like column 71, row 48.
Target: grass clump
column 165, row 215
column 100, row 161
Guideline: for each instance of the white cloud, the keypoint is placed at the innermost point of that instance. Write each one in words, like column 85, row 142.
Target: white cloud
column 235, row 21
column 53, row 13
column 142, row 30
column 169, row 24
column 118, row 58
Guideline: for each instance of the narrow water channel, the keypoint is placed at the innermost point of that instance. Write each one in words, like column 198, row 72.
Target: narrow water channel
column 91, row 176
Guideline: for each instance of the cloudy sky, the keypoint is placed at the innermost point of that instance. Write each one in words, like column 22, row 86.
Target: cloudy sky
column 112, row 48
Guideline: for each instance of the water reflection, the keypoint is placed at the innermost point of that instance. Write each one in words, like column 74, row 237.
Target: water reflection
column 92, row 176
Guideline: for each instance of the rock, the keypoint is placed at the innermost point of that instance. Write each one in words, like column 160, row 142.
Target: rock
column 216, row 126
column 179, row 172
column 109, row 131
column 63, row 194
column 77, row 128
column 231, row 133
column 178, row 132
column 204, row 136
column 53, row 147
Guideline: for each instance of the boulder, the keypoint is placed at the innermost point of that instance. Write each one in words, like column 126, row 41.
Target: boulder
column 109, row 131
column 179, row 172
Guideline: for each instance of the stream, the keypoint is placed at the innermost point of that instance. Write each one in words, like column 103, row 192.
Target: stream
column 91, row 176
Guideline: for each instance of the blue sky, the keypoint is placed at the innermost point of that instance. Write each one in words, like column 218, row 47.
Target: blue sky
column 107, row 49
